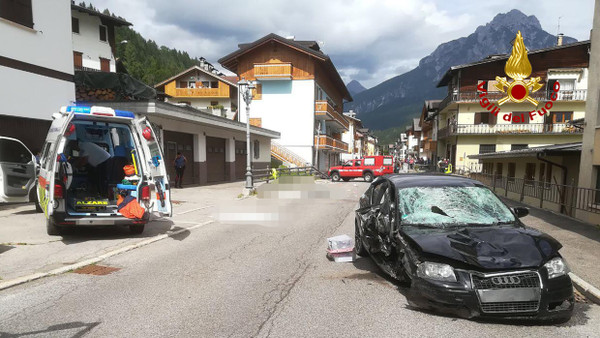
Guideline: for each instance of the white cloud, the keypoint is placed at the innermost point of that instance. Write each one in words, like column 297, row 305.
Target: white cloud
column 367, row 40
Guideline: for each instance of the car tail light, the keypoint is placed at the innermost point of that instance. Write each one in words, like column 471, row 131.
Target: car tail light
column 146, row 193
column 58, row 191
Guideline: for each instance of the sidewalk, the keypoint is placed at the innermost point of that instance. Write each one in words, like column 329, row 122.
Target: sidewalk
column 581, row 241
column 26, row 249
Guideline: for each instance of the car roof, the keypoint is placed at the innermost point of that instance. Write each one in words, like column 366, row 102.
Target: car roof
column 431, row 180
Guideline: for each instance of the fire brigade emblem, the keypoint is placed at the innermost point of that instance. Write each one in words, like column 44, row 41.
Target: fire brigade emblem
column 518, row 69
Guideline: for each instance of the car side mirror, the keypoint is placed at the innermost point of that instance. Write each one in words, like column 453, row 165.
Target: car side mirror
column 521, row 211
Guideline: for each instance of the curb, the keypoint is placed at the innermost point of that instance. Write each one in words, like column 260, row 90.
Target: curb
column 588, row 290
column 67, row 268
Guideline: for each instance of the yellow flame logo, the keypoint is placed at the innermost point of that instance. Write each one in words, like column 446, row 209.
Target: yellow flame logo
column 518, row 68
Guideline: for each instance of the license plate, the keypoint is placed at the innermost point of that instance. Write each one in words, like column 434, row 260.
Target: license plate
column 509, row 295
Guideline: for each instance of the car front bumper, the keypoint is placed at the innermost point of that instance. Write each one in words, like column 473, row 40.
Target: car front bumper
column 556, row 300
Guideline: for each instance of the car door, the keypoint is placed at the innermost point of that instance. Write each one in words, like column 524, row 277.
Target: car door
column 356, row 170
column 47, row 170
column 371, row 214
column 17, row 171
column 155, row 167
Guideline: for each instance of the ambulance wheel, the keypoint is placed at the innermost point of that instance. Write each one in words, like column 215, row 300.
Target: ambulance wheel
column 335, row 176
column 368, row 177
column 37, row 207
column 51, row 228
column 136, row 229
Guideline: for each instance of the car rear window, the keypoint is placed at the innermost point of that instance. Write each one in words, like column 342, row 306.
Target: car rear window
column 369, row 161
column 387, row 161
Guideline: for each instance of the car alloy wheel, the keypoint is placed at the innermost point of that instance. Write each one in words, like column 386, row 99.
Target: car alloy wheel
column 368, row 177
column 335, row 176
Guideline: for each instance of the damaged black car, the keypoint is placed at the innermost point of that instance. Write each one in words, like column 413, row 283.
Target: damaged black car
column 461, row 250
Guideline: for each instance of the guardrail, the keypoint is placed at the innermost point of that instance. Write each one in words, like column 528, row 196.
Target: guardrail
column 266, row 175
column 568, row 197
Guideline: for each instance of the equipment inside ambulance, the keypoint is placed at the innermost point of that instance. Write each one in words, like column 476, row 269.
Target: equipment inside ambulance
column 93, row 159
column 17, row 171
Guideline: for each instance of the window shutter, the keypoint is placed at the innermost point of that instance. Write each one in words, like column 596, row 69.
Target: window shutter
column 478, row 118
column 18, row 11
column 493, row 119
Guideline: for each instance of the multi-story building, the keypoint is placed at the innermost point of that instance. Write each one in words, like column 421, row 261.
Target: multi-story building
column 466, row 128
column 353, row 137
column 36, row 65
column 589, row 170
column 94, row 39
column 202, row 89
column 298, row 93
column 428, row 124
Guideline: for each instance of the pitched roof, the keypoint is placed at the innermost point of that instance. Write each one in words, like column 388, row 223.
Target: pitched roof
column 501, row 57
column 310, row 48
column 221, row 78
column 112, row 19
column 553, row 149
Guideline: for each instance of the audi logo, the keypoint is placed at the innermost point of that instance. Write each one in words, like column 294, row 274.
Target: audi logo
column 506, row 280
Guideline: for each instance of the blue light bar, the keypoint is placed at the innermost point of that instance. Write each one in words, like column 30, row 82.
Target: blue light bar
column 124, row 113
column 79, row 109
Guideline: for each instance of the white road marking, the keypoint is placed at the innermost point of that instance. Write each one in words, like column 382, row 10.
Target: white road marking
column 192, row 210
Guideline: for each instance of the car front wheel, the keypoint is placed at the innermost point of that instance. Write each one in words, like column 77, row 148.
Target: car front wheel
column 368, row 177
column 335, row 176
column 359, row 248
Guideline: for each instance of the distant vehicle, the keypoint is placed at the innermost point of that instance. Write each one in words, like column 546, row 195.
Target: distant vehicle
column 461, row 250
column 91, row 156
column 17, row 172
column 367, row 167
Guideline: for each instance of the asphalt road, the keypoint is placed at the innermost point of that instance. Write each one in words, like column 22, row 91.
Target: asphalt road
column 238, row 279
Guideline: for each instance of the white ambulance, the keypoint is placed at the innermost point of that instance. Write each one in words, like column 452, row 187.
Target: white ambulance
column 93, row 155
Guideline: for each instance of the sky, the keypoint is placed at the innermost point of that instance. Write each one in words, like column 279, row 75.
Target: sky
column 367, row 40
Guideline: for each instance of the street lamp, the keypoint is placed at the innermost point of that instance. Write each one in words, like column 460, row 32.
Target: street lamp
column 245, row 89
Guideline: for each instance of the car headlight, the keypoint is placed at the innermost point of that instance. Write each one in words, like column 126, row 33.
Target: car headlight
column 436, row 271
column 556, row 267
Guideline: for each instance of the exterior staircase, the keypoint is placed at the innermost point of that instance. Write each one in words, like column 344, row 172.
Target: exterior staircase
column 286, row 156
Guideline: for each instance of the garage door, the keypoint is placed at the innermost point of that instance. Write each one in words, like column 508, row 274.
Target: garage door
column 215, row 159
column 184, row 143
column 240, row 160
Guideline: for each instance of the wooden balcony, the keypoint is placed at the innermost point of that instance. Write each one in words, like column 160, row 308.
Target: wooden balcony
column 325, row 111
column 273, row 71
column 221, row 91
column 328, row 142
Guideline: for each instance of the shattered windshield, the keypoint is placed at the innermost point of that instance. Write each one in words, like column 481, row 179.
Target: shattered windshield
column 451, row 206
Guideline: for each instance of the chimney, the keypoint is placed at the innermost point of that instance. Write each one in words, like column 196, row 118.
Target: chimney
column 559, row 39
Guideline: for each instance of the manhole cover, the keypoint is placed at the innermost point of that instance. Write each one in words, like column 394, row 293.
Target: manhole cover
column 97, row 270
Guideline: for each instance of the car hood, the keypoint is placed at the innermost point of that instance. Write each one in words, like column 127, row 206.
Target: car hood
column 489, row 248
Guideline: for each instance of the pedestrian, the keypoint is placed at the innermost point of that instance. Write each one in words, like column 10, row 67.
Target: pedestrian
column 179, row 165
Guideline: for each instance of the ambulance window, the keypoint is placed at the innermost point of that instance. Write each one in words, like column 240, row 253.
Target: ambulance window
column 13, row 151
column 357, row 163
column 44, row 155
column 387, row 161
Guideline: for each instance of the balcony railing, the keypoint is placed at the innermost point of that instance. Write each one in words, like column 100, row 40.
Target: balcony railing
column 508, row 129
column 328, row 142
column 323, row 110
column 473, row 96
column 273, row 71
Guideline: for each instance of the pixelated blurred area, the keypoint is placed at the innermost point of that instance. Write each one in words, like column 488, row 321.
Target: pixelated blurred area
column 296, row 187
